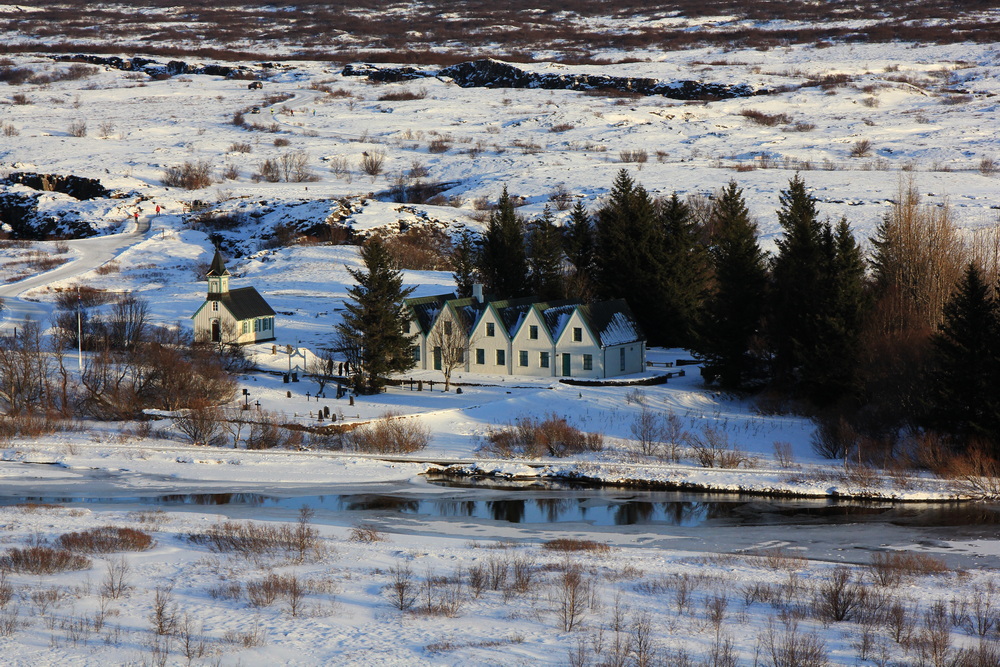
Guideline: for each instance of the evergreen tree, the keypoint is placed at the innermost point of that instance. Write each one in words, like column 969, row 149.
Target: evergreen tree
column 683, row 265
column 502, row 262
column 735, row 306
column 371, row 333
column 798, row 277
column 963, row 396
column 579, row 248
column 545, row 263
column 463, row 263
column 628, row 253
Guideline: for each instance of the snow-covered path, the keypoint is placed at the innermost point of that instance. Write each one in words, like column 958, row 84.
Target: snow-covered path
column 90, row 254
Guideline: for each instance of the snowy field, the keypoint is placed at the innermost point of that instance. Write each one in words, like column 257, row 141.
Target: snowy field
column 483, row 592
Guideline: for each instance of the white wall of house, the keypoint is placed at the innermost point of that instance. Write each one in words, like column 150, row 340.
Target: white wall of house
column 247, row 331
column 585, row 355
column 530, row 353
column 481, row 339
column 420, row 343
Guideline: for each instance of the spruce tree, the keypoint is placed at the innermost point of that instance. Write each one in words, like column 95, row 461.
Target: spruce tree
column 735, row 307
column 628, row 252
column 463, row 263
column 502, row 262
column 683, row 265
column 371, row 333
column 798, row 279
column 963, row 397
column 579, row 248
column 545, row 262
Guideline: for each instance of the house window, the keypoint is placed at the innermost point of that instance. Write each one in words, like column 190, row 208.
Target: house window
column 447, row 328
column 215, row 306
column 480, row 356
column 256, row 325
column 522, row 358
column 491, row 329
column 588, row 362
column 459, row 355
column 416, row 352
column 543, row 359
column 621, row 357
column 533, row 332
column 245, row 327
column 406, row 326
column 501, row 357
column 577, row 334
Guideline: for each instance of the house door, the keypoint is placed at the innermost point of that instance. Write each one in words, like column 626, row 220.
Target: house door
column 216, row 331
column 566, row 364
column 437, row 358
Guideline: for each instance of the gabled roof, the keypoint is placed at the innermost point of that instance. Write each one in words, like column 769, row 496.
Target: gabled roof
column 244, row 303
column 512, row 312
column 218, row 267
column 612, row 322
column 469, row 310
column 426, row 308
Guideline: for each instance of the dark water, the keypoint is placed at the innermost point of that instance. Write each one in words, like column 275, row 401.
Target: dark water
column 596, row 507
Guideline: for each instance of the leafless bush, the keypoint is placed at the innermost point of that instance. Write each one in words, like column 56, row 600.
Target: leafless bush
column 373, row 162
column 105, row 129
column 252, row 638
column 366, row 532
column 105, row 539
column 202, row 426
column 568, row 544
column 438, row 145
column 768, row 120
column 190, row 175
column 78, row 128
column 403, row 95
column 783, row 454
column 834, row 437
column 530, row 437
column 20, row 99
column 115, row 582
column 790, row 648
column 42, row 560
column 861, row 148
column 639, row 156
column 838, row 596
column 8, row 129
column 402, row 590
column 975, row 473
column 389, row 434
column 713, row 450
column 658, row 434
column 933, row 638
column 240, row 147
column 281, row 142
column 163, row 617
column 988, row 166
column 871, row 102
column 572, row 597
column 420, row 248
column 254, row 540
column 888, row 568
column 562, row 127
column 267, row 591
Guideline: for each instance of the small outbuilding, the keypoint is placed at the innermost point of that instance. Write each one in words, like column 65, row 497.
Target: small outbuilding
column 237, row 316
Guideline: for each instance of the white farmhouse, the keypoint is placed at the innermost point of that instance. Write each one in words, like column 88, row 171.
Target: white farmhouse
column 526, row 337
column 232, row 316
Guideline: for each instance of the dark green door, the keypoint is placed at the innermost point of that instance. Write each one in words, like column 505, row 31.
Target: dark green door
column 566, row 365
column 437, row 358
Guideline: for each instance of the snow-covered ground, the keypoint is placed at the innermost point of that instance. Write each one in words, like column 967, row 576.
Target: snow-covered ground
column 930, row 114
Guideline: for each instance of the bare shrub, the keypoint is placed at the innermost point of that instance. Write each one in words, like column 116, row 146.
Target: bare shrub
column 838, row 596
column 438, row 145
column 871, row 102
column 403, row 95
column 366, row 532
column 8, row 129
column 713, row 450
column 783, row 454
column 78, row 128
column 115, row 583
column 240, row 147
column 769, row 120
column 202, row 426
column 389, row 434
column 975, row 473
column 562, row 127
column 568, row 544
column 861, row 148
column 572, row 597
column 534, row 437
column 254, row 540
column 933, row 638
column 373, row 162
column 401, row 589
column 790, row 648
column 106, row 539
column 266, row 591
column 20, row 99
column 888, row 568
column 190, row 175
column 639, row 156
column 281, row 142
column 42, row 560
column 252, row 638
column 834, row 437
column 988, row 166
column 105, row 129
column 226, row 590
column 420, row 248
column 164, row 617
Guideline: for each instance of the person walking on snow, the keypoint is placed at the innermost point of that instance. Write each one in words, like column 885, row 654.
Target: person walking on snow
column 136, row 216
column 157, row 209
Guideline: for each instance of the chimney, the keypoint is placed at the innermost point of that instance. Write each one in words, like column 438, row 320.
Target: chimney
column 477, row 292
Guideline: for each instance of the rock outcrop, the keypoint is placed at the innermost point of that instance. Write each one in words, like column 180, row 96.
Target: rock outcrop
column 490, row 73
column 172, row 68
column 74, row 186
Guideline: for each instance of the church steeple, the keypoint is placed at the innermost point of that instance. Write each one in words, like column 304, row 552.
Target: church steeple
column 218, row 275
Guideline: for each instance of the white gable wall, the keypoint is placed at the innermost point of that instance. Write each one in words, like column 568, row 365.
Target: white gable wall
column 526, row 349
column 578, row 351
column 479, row 340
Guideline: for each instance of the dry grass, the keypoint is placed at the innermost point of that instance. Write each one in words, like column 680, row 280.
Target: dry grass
column 366, row 532
column 566, row 544
column 889, row 568
column 768, row 120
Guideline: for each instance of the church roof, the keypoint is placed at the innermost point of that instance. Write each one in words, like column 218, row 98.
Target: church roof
column 244, row 303
column 218, row 267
